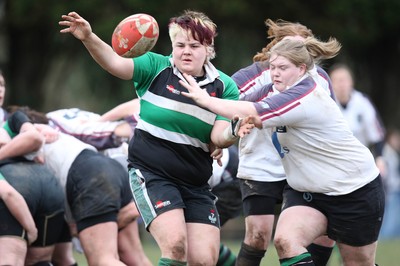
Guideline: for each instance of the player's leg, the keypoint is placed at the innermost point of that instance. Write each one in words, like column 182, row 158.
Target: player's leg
column 163, row 219
column 48, row 216
column 169, row 231
column 353, row 256
column 100, row 243
column 63, row 250
column 203, row 225
column 321, row 250
column 299, row 224
column 260, row 200
column 203, row 244
column 63, row 255
column 355, row 221
column 94, row 197
column 297, row 227
column 130, row 247
column 13, row 250
column 50, row 229
column 13, row 238
column 39, row 255
column 229, row 206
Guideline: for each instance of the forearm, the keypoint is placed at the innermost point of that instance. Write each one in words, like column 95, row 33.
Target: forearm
column 105, row 56
column 121, row 111
column 221, row 135
column 230, row 108
column 19, row 209
column 22, row 144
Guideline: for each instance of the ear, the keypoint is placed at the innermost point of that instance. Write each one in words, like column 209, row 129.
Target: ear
column 303, row 69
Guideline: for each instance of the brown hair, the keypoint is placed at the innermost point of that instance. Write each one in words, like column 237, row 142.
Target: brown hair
column 198, row 25
column 277, row 31
column 34, row 116
column 307, row 52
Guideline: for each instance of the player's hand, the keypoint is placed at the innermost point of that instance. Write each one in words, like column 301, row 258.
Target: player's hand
column 197, row 94
column 75, row 25
column 32, row 234
column 217, row 155
column 247, row 124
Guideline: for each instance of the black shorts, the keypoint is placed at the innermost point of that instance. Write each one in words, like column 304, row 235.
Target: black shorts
column 97, row 188
column 154, row 195
column 353, row 219
column 45, row 198
column 9, row 226
column 229, row 203
column 261, row 198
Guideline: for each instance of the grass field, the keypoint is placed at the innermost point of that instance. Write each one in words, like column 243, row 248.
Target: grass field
column 388, row 253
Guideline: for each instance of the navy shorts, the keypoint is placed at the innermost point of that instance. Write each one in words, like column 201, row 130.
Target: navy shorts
column 9, row 226
column 45, row 198
column 97, row 188
column 229, row 203
column 353, row 219
column 154, row 195
column 261, row 198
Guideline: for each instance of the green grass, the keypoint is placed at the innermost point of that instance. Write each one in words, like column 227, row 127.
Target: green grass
column 388, row 253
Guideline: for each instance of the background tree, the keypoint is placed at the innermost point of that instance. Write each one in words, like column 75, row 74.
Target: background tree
column 48, row 70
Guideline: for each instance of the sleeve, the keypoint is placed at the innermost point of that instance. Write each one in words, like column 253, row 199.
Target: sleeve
column 278, row 110
column 374, row 130
column 252, row 78
column 285, row 108
column 231, row 92
column 14, row 123
column 146, row 68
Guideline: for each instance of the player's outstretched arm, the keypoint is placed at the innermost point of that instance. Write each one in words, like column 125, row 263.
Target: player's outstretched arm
column 223, row 107
column 101, row 52
column 122, row 110
column 19, row 209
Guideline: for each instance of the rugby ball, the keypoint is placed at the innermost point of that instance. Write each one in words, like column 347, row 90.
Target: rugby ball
column 135, row 35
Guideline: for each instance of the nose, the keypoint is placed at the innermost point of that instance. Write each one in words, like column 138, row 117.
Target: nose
column 187, row 50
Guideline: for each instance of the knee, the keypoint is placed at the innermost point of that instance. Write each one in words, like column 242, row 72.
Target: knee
column 177, row 249
column 258, row 237
column 282, row 244
column 204, row 258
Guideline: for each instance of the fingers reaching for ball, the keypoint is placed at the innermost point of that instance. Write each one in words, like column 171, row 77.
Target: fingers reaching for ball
column 75, row 25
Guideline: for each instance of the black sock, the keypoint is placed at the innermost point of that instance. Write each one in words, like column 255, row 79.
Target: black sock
column 43, row 263
column 226, row 257
column 302, row 259
column 320, row 254
column 249, row 256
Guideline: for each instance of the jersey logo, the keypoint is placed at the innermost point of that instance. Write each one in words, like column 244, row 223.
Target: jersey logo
column 307, row 196
column 171, row 88
column 212, row 217
column 281, row 129
column 279, row 148
column 160, row 204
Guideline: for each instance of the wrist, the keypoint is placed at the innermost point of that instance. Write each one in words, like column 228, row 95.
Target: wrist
column 231, row 132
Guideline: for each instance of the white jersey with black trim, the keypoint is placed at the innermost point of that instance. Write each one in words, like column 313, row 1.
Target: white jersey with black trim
column 60, row 154
column 258, row 159
column 363, row 119
column 319, row 152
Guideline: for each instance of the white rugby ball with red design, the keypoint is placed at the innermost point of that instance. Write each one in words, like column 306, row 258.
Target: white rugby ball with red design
column 135, row 35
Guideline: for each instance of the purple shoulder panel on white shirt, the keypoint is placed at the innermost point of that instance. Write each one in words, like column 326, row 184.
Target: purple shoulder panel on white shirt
column 285, row 101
